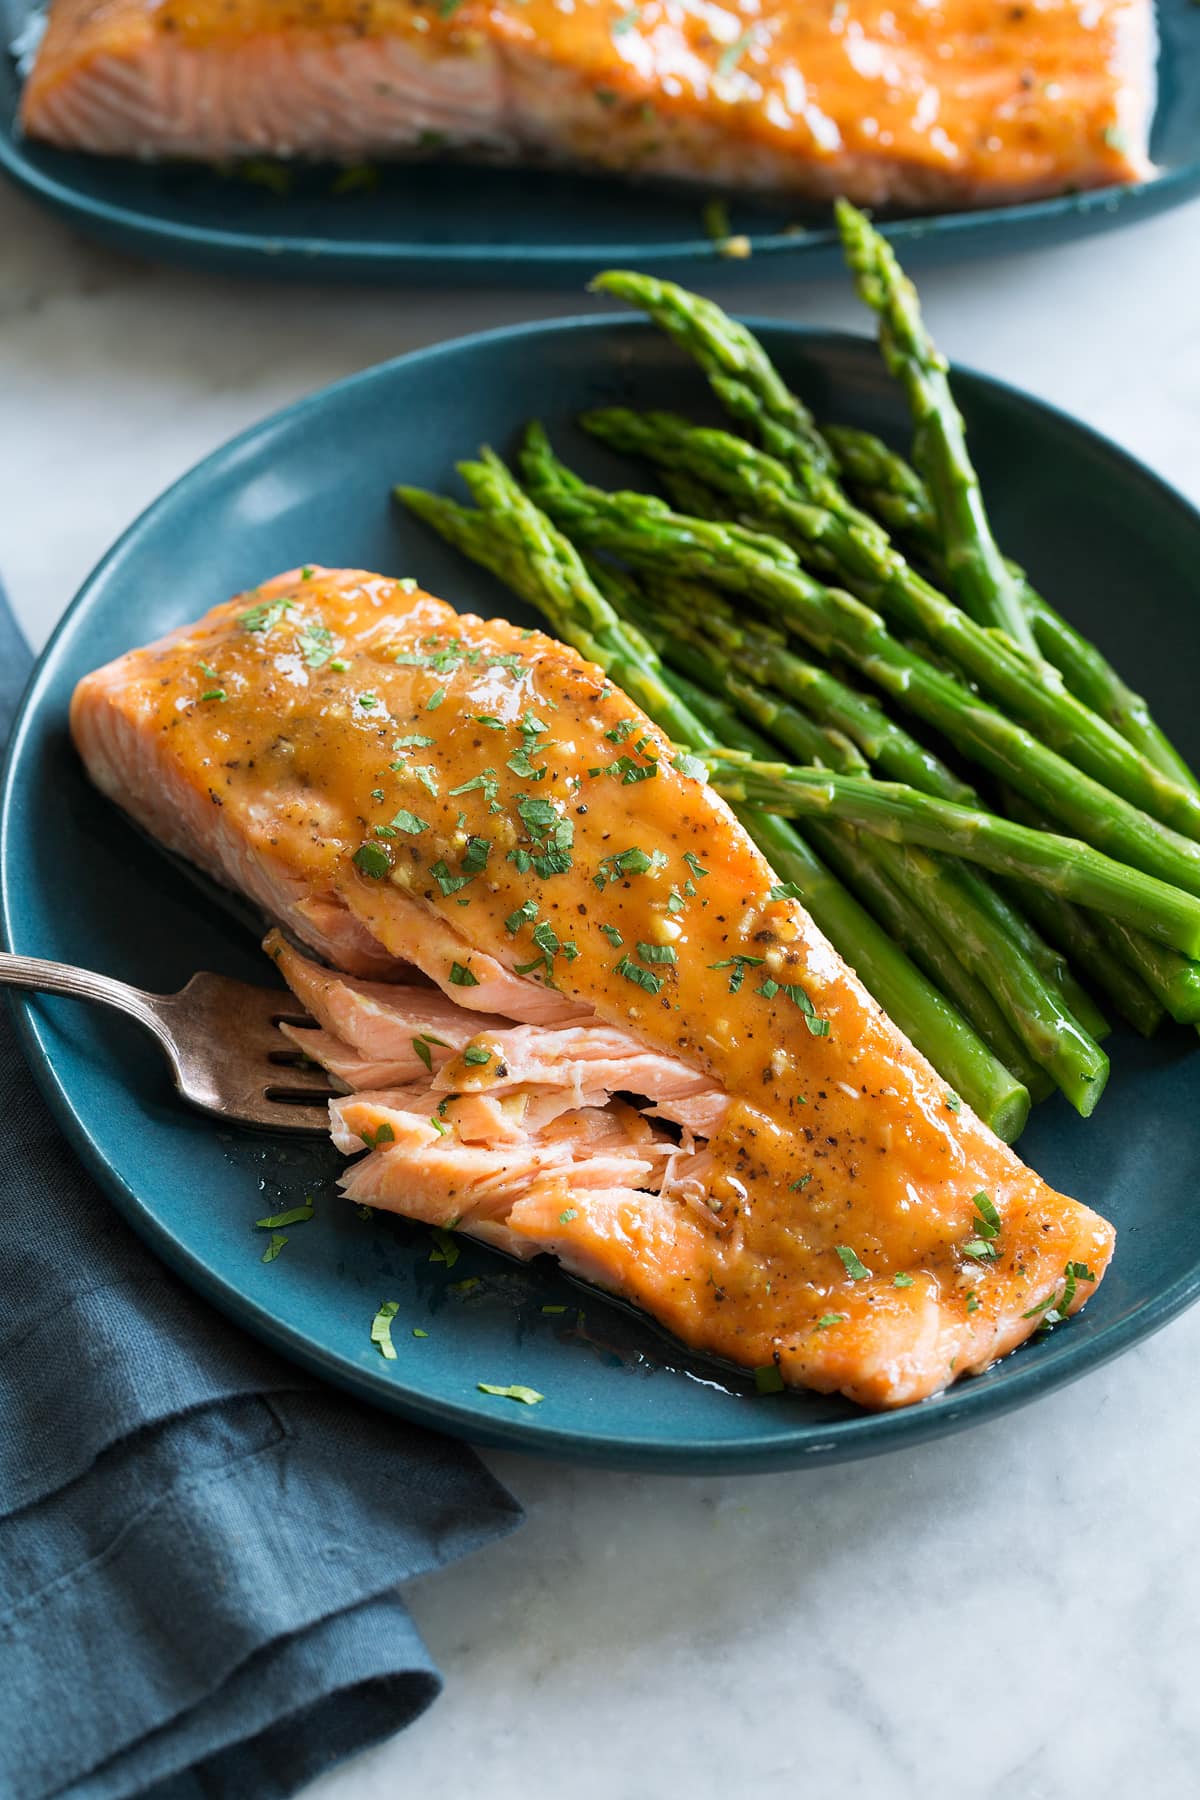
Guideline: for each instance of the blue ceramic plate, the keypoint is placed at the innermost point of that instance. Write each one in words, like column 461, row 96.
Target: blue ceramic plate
column 1114, row 546
column 492, row 224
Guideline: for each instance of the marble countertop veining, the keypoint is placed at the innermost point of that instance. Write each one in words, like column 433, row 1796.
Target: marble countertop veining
column 1005, row 1615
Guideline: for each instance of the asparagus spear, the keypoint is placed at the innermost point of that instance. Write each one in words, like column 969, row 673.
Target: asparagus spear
column 1174, row 980
column 978, row 570
column 1081, row 938
column 1063, row 865
column 887, row 487
column 509, row 536
column 761, row 490
column 740, row 372
column 857, row 858
column 647, row 534
column 894, row 493
column 704, row 621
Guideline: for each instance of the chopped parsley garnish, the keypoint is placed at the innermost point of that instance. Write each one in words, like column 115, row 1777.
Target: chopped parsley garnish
column 768, row 1380
column 799, row 1185
column 426, row 774
column 274, row 1247
column 855, row 1268
column 640, row 977
column 828, row 1319
column 564, row 1218
column 785, row 890
column 381, row 1329
column 207, row 670
column 316, row 645
column 657, row 953
column 693, row 767
column 461, row 976
column 435, row 700
column 476, row 855
column 445, row 1249
column 613, row 935
column 693, row 863
column 627, row 21
column 972, row 1301
column 476, row 1057
column 675, row 902
column 524, row 915
column 630, row 771
column 546, row 938
column 526, row 1395
column 449, row 884
column 739, row 965
column 263, row 616
column 373, row 1139
column 633, row 861
column 417, row 1332
column 554, row 1309
column 716, row 219
column 338, row 664
column 987, row 1228
column 367, row 701
column 373, row 860
column 490, row 721
column 732, row 55
column 214, row 694
column 424, row 1052
column 415, row 740
column 902, row 1280
column 409, row 822
column 520, row 764
column 537, row 816
column 296, row 1215
column 796, row 994
column 486, row 780
column 621, row 731
column 953, row 1103
column 1055, row 1308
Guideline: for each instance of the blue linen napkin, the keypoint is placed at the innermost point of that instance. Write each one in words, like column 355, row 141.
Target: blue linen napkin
column 199, row 1546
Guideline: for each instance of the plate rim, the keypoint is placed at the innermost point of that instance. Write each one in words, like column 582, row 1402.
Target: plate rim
column 862, row 1434
column 263, row 251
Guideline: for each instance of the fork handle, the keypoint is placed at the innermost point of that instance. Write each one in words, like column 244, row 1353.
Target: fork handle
column 43, row 977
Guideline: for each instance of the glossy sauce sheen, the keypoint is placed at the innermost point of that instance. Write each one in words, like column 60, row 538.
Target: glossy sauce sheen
column 839, row 1133
column 973, row 99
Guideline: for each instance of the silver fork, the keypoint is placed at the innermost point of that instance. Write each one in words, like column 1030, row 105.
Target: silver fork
column 221, row 1038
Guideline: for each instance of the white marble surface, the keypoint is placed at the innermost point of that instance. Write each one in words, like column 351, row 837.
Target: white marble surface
column 1008, row 1614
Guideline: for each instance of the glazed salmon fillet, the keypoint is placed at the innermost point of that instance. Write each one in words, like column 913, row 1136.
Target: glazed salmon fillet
column 958, row 102
column 569, row 1006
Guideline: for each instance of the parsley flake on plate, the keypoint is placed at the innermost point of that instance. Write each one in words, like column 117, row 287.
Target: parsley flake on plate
column 381, row 1329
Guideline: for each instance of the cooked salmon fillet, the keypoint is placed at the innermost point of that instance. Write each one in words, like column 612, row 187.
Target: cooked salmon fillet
column 572, row 1010
column 963, row 101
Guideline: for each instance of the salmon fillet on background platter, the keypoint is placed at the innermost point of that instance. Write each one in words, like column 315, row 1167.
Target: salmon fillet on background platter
column 571, row 1009
column 967, row 102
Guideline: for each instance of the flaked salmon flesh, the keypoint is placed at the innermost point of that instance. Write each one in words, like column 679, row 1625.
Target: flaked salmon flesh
column 962, row 101
column 570, row 1008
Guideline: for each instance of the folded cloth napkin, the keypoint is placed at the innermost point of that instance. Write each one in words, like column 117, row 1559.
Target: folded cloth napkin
column 199, row 1546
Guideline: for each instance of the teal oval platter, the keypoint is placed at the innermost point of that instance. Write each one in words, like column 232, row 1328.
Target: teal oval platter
column 1114, row 547
column 441, row 220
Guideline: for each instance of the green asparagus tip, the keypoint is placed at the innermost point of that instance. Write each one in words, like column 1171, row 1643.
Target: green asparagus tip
column 621, row 282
